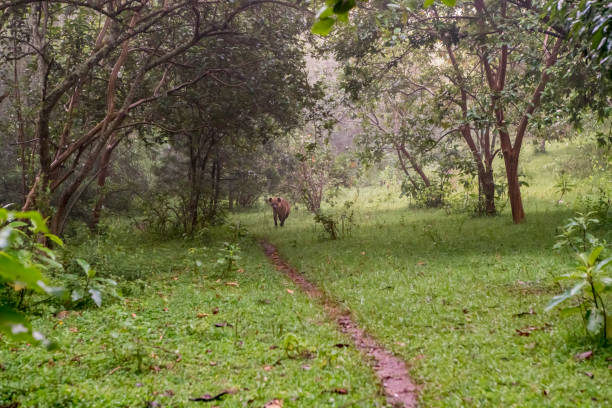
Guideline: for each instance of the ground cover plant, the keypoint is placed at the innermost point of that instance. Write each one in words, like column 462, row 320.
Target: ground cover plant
column 183, row 329
column 460, row 298
column 140, row 143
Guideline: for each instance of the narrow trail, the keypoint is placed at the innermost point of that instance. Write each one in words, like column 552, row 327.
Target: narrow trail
column 399, row 388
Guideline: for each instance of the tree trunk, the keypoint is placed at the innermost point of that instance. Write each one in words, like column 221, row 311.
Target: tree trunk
column 230, row 199
column 487, row 185
column 103, row 174
column 514, row 188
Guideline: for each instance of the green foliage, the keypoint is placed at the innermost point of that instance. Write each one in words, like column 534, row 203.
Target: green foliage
column 590, row 24
column 23, row 263
column 335, row 12
column 181, row 334
column 227, row 258
column 563, row 185
column 86, row 285
column 577, row 235
column 591, row 279
column 329, row 223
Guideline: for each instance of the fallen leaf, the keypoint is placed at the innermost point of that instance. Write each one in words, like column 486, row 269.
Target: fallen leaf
column 342, row 391
column 134, row 315
column 215, row 310
column 363, row 253
column 168, row 393
column 218, row 280
column 213, row 363
column 585, row 355
column 306, row 367
column 530, row 312
column 74, row 330
column 421, row 263
column 223, row 324
column 201, row 315
column 234, row 284
column 526, row 331
column 208, row 397
column 588, row 374
column 341, row 345
column 267, row 368
column 165, row 309
column 272, row 347
column 290, row 291
column 240, row 270
column 114, row 370
column 275, row 403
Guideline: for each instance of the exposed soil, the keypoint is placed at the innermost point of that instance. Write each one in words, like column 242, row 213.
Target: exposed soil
column 399, row 388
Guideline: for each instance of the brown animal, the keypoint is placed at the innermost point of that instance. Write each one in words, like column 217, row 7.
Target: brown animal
column 280, row 208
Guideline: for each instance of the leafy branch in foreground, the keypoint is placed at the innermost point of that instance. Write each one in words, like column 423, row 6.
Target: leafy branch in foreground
column 23, row 260
column 337, row 11
column 591, row 279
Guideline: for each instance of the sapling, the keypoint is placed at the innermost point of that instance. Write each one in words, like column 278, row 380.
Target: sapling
column 591, row 279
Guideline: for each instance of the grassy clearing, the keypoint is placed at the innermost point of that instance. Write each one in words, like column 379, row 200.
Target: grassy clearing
column 161, row 344
column 449, row 292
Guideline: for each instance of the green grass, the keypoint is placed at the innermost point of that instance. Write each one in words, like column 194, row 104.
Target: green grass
column 127, row 352
column 449, row 292
column 446, row 292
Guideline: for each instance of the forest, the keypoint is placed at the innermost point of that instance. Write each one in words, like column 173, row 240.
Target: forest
column 305, row 203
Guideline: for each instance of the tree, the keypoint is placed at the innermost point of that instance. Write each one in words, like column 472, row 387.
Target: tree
column 130, row 53
column 491, row 60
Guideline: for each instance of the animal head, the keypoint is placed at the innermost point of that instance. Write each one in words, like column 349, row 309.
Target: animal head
column 275, row 202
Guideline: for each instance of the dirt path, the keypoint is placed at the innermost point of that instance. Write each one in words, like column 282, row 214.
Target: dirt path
column 399, row 388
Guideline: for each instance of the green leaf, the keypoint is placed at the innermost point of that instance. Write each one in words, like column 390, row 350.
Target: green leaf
column 19, row 275
column 55, row 239
column 564, row 296
column 38, row 223
column 606, row 283
column 96, row 296
column 17, row 327
column 449, row 3
column 14, row 324
column 568, row 311
column 595, row 321
column 323, row 12
column 428, row 3
column 342, row 17
column 75, row 296
column 323, row 26
column 343, row 6
column 594, row 255
column 603, row 264
column 572, row 276
column 84, row 265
